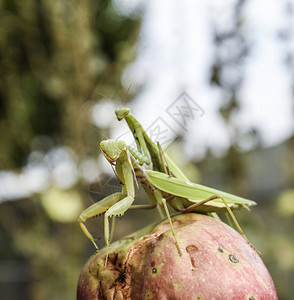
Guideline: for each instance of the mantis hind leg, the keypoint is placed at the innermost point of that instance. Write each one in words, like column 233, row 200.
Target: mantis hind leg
column 193, row 206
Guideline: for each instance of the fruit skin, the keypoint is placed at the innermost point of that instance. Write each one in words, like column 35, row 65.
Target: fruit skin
column 216, row 263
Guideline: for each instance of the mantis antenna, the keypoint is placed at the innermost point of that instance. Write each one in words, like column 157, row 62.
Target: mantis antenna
column 95, row 129
column 121, row 135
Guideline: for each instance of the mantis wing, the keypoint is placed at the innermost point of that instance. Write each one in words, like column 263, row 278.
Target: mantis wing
column 192, row 191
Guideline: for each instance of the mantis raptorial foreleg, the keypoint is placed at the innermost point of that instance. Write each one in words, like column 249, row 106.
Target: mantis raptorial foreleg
column 118, row 209
column 97, row 209
column 142, row 157
column 118, row 203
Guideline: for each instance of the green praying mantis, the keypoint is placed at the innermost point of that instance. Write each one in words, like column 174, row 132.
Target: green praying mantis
column 165, row 184
column 163, row 163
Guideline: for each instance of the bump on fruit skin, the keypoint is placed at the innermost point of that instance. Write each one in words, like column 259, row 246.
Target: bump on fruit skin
column 217, row 263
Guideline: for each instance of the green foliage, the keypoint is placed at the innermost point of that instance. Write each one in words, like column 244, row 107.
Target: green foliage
column 54, row 57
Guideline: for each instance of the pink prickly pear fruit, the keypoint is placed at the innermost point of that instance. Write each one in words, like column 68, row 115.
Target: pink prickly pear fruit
column 216, row 263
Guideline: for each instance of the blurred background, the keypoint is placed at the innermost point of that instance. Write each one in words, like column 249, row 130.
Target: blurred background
column 64, row 68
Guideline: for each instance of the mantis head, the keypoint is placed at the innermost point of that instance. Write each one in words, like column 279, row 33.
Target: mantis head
column 111, row 149
column 121, row 113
